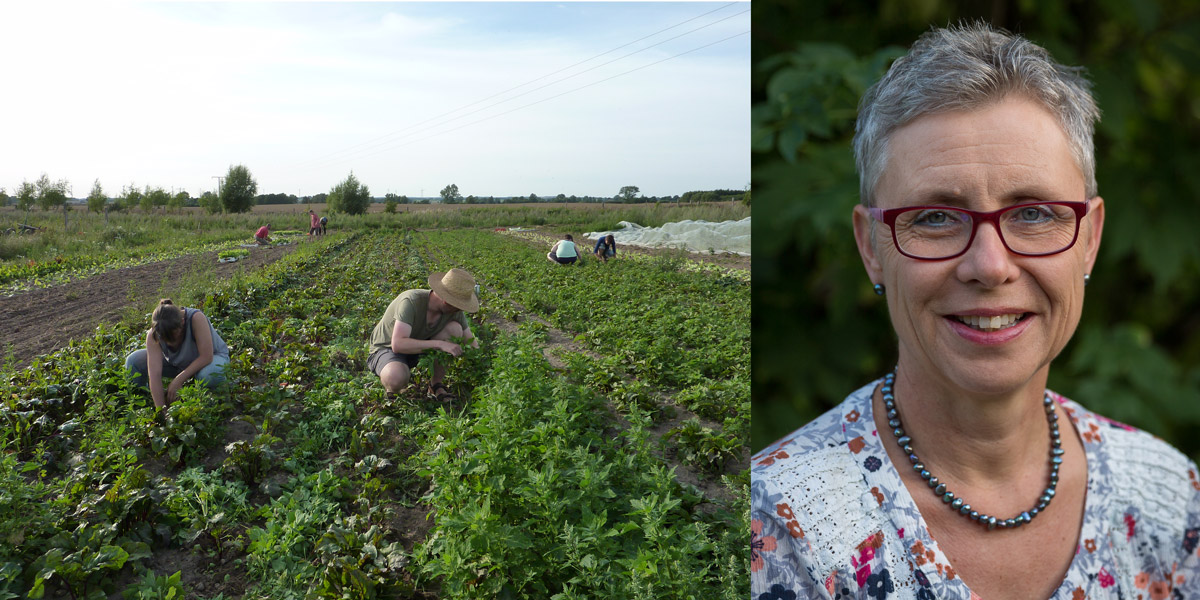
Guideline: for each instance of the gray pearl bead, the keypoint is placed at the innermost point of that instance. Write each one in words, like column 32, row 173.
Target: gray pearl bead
column 940, row 489
column 957, row 504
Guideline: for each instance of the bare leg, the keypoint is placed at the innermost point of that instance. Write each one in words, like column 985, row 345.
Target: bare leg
column 395, row 377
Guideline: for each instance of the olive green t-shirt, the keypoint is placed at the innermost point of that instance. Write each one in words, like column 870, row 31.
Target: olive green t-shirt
column 411, row 307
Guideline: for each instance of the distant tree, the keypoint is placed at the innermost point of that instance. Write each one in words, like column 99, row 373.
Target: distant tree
column 349, row 196
column 628, row 193
column 450, row 194
column 274, row 199
column 3, row 198
column 130, row 197
column 96, row 200
column 746, row 198
column 533, row 198
column 390, row 200
column 179, row 200
column 560, row 198
column 154, row 197
column 210, row 202
column 403, row 199
column 26, row 195
column 51, row 194
column 238, row 190
column 320, row 198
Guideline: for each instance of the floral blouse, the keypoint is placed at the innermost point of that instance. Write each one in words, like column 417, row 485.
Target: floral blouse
column 831, row 518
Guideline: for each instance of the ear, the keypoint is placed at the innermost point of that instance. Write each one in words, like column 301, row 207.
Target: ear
column 1093, row 232
column 863, row 223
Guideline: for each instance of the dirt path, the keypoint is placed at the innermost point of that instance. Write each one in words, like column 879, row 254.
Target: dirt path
column 40, row 321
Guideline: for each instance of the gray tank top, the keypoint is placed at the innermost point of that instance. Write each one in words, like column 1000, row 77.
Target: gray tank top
column 188, row 352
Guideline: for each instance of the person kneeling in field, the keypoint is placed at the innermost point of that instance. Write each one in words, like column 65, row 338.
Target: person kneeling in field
column 181, row 344
column 564, row 251
column 262, row 235
column 420, row 320
column 606, row 247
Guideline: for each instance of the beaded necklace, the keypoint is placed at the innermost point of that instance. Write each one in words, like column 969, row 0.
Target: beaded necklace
column 958, row 504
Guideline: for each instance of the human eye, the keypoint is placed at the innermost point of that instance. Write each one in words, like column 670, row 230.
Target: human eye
column 1031, row 214
column 933, row 217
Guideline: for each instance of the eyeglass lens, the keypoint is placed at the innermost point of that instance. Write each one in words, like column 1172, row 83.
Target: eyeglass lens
column 1026, row 229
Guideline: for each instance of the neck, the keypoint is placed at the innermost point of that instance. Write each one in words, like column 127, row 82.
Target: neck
column 982, row 438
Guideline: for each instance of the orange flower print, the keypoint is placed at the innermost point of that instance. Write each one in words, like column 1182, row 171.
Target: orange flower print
column 853, row 416
column 1142, row 580
column 1159, row 590
column 1092, row 435
column 759, row 543
column 1192, row 478
column 784, row 511
column 857, row 444
column 1078, row 594
column 772, row 457
column 949, row 572
column 1090, row 545
column 918, row 550
column 878, row 495
column 794, row 529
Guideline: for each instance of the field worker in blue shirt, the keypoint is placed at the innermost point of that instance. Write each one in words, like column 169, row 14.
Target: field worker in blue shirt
column 606, row 247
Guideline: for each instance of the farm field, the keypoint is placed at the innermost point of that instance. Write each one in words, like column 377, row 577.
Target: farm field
column 598, row 446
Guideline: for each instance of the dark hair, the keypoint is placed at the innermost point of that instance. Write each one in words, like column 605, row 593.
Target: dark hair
column 612, row 241
column 166, row 318
column 568, row 237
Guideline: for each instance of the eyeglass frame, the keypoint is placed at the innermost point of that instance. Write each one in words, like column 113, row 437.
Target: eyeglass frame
column 888, row 217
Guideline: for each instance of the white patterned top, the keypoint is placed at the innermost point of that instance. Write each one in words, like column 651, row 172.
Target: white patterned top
column 831, row 518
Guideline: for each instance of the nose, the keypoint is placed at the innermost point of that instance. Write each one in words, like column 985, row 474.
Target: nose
column 987, row 261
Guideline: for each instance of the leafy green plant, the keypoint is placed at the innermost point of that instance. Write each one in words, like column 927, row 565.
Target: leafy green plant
column 83, row 562
column 250, row 460
column 354, row 564
column 153, row 587
column 192, row 424
column 703, row 447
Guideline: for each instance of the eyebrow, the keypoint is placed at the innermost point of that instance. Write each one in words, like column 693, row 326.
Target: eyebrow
column 1015, row 196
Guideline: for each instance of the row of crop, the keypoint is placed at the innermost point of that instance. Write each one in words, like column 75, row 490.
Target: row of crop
column 18, row 275
column 652, row 329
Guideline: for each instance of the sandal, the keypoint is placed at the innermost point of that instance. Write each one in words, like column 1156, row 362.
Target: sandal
column 441, row 393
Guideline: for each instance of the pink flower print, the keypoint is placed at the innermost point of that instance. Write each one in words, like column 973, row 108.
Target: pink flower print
column 1130, row 526
column 759, row 543
column 1105, row 578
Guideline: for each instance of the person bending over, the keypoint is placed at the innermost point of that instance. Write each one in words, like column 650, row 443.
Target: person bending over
column 606, row 247
column 564, row 251
column 420, row 320
column 181, row 344
column 262, row 236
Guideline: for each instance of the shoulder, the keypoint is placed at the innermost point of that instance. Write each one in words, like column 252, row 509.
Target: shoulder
column 810, row 485
column 1141, row 479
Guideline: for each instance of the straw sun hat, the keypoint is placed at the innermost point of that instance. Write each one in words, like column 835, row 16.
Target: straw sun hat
column 456, row 287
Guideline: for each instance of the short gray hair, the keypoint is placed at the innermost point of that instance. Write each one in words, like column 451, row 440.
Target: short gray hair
column 966, row 67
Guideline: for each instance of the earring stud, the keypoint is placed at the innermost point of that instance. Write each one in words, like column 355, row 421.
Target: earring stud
column 880, row 290
column 1087, row 277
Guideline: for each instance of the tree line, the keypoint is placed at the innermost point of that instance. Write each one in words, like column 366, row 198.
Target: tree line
column 238, row 192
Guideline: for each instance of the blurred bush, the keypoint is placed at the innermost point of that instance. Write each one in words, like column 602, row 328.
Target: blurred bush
column 819, row 332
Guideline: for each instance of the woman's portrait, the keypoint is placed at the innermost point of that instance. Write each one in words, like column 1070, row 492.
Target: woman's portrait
column 979, row 299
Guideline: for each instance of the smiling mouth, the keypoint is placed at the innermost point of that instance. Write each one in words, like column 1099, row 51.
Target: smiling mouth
column 989, row 324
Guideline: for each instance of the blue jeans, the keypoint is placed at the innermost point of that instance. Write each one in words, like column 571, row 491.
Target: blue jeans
column 213, row 374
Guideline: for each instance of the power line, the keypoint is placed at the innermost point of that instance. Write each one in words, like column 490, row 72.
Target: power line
column 388, row 148
column 378, row 144
column 371, row 142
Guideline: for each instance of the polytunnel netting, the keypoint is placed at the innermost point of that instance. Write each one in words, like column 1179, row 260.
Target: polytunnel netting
column 694, row 236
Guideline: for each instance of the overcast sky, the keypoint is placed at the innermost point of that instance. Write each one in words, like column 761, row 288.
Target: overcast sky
column 410, row 96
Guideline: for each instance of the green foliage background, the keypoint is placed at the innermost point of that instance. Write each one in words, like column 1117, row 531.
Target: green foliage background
column 818, row 330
